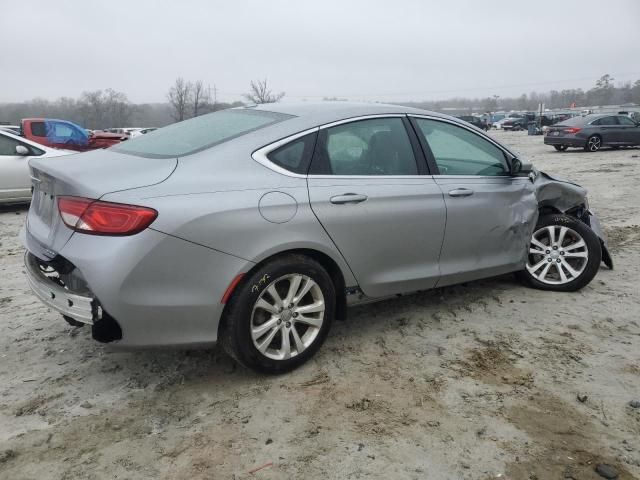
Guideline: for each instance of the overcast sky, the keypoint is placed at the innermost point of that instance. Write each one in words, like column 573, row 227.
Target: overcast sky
column 363, row 50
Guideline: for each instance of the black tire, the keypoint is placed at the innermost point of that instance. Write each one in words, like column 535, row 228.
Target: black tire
column 594, row 143
column 593, row 249
column 235, row 331
column 560, row 148
column 73, row 322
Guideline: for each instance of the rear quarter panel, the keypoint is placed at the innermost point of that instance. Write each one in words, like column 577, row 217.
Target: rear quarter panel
column 219, row 209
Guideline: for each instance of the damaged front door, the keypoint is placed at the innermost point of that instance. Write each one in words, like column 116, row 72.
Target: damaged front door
column 490, row 214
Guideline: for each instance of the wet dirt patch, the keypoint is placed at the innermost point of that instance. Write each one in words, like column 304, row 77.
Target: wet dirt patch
column 564, row 443
column 494, row 363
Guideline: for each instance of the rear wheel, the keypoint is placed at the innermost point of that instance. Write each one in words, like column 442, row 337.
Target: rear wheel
column 560, row 148
column 564, row 254
column 280, row 316
column 594, row 143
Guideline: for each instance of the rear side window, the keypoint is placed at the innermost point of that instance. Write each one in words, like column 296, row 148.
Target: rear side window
column 606, row 121
column 200, row 133
column 378, row 146
column 38, row 129
column 296, row 155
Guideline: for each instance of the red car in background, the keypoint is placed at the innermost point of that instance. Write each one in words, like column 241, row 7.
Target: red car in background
column 67, row 135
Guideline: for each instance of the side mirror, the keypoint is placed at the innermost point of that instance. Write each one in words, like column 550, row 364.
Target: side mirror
column 515, row 166
column 520, row 167
column 22, row 150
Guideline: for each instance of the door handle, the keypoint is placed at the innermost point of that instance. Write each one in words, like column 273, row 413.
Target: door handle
column 348, row 198
column 460, row 192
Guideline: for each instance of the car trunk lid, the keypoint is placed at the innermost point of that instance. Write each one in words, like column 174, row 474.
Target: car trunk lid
column 89, row 175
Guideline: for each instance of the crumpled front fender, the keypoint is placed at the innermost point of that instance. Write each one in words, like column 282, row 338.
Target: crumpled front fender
column 568, row 197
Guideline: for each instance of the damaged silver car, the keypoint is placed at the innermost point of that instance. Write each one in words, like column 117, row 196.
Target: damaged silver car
column 257, row 226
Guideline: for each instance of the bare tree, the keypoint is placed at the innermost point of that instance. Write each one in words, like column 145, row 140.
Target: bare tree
column 259, row 93
column 201, row 98
column 93, row 109
column 179, row 97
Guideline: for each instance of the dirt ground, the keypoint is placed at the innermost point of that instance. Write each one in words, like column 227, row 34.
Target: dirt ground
column 470, row 382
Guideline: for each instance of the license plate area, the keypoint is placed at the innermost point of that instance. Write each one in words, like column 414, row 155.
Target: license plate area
column 43, row 200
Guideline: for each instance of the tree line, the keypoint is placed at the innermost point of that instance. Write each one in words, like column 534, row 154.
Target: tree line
column 187, row 99
column 604, row 92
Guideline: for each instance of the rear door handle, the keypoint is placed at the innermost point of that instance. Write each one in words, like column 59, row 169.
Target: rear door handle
column 460, row 192
column 348, row 198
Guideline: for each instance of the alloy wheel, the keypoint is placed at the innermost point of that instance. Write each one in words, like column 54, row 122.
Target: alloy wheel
column 557, row 255
column 594, row 144
column 287, row 316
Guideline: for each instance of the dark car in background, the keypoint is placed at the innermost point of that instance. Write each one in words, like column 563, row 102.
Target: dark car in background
column 475, row 121
column 514, row 124
column 594, row 131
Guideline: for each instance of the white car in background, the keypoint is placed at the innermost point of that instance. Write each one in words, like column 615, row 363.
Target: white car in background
column 136, row 132
column 15, row 153
column 499, row 123
column 15, row 129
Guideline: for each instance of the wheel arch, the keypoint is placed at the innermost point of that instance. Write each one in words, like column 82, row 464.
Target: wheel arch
column 325, row 260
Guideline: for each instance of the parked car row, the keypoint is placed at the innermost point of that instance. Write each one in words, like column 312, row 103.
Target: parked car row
column 45, row 138
column 130, row 132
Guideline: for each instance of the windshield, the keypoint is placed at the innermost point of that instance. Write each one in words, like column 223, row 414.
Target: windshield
column 200, row 133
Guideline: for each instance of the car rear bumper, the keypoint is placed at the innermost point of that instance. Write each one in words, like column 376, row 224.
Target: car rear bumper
column 560, row 140
column 152, row 289
column 81, row 308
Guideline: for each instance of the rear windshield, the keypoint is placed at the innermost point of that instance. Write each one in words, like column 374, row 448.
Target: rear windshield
column 200, row 133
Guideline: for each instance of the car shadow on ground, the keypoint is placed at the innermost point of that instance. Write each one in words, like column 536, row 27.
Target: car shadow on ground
column 17, row 209
column 159, row 369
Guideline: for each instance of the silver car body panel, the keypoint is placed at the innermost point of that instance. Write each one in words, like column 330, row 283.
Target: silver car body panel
column 392, row 240
column 500, row 211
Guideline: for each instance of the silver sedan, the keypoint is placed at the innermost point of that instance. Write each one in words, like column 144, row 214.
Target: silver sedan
column 257, row 226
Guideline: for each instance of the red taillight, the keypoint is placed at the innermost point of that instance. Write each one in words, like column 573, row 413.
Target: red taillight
column 104, row 218
column 572, row 130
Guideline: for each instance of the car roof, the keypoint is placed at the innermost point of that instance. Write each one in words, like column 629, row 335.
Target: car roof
column 325, row 112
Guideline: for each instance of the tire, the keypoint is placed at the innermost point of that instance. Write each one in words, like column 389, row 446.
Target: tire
column 73, row 322
column 578, row 255
column 560, row 148
column 246, row 312
column 594, row 143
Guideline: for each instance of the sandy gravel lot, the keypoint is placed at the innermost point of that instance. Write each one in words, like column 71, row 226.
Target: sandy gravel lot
column 471, row 382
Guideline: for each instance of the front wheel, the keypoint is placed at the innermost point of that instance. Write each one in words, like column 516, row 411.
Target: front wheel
column 560, row 148
column 564, row 254
column 280, row 315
